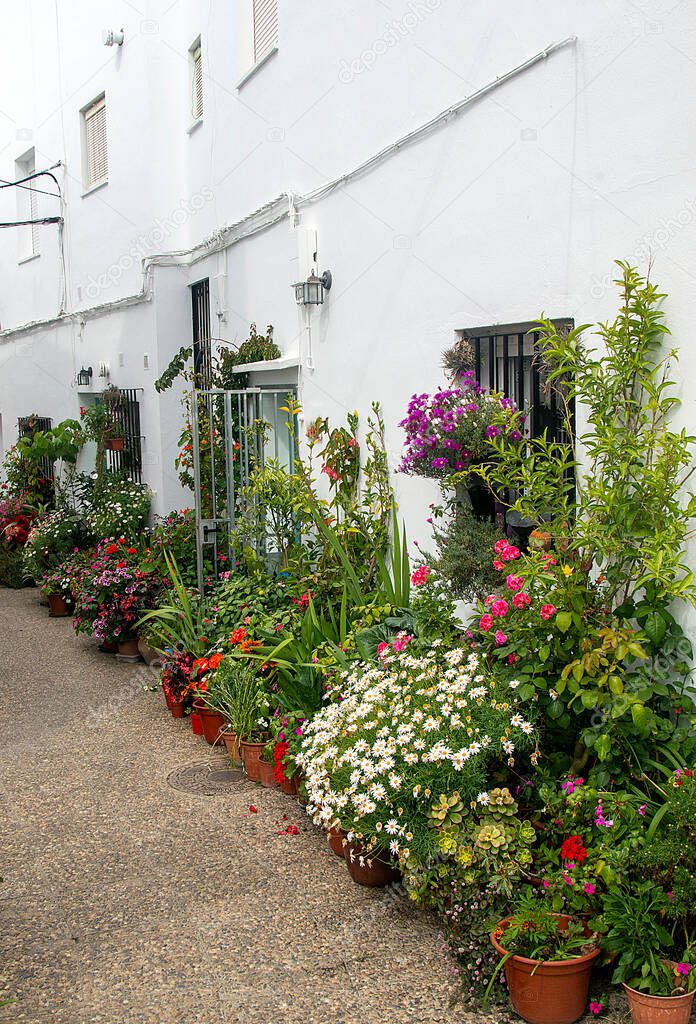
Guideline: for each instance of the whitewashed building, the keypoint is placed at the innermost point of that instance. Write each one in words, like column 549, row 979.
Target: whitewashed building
column 455, row 165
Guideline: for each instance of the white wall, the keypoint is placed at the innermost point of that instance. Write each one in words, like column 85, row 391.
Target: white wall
column 516, row 206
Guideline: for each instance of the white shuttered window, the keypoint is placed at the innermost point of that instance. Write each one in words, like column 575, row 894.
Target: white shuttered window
column 265, row 27
column 96, row 161
column 196, row 81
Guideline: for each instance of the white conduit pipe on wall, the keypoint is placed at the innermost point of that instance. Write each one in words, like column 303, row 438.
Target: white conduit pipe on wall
column 280, row 208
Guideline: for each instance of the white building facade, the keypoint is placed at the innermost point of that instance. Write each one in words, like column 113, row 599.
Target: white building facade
column 455, row 165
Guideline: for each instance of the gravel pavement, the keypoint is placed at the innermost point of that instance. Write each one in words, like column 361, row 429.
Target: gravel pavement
column 125, row 901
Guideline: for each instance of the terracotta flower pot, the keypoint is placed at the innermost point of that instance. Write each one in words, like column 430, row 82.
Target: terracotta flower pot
column 335, row 838
column 251, row 756
column 647, row 1009
column 553, row 992
column 231, row 741
column 288, row 786
column 213, row 722
column 57, row 606
column 116, row 444
column 149, row 655
column 266, row 774
column 369, row 868
column 196, row 724
column 176, row 707
column 129, row 649
column 108, row 648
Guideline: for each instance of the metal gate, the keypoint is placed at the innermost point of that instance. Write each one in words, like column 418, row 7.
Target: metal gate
column 232, row 433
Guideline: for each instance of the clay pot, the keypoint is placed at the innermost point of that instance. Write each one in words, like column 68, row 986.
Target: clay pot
column 288, row 786
column 213, row 722
column 251, row 757
column 266, row 774
column 128, row 649
column 231, row 741
column 196, row 724
column 369, row 868
column 176, row 707
column 115, row 444
column 57, row 606
column 149, row 655
column 553, row 992
column 647, row 1009
column 108, row 648
column 335, row 837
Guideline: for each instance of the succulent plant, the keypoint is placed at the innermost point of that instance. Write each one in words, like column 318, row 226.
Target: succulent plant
column 447, row 841
column 447, row 811
column 502, row 802
column 493, row 838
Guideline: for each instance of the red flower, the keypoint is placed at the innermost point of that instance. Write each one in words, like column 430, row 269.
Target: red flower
column 573, row 849
column 132, row 551
column 237, row 636
column 112, row 549
column 253, row 809
column 279, row 752
column 214, row 660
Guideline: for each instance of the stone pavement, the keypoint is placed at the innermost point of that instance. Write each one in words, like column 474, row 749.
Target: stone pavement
column 125, row 901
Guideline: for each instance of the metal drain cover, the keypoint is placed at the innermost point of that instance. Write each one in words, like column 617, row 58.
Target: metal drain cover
column 205, row 779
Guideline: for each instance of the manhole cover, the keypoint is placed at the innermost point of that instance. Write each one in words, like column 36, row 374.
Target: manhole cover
column 205, row 779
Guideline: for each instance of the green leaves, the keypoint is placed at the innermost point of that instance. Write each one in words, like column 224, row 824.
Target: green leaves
column 564, row 620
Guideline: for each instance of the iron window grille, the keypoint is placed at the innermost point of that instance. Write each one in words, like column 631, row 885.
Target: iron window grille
column 506, row 358
column 124, row 408
column 27, row 426
column 202, row 351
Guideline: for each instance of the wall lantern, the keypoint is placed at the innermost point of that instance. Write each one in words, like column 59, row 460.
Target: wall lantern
column 311, row 291
column 84, row 377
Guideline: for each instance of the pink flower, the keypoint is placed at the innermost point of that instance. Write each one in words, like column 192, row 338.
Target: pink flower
column 511, row 659
column 546, row 883
column 683, row 969
column 420, row 576
column 514, row 582
column 590, row 889
column 500, row 638
column 485, row 622
column 521, row 600
column 382, row 649
column 595, row 1008
column 547, row 610
column 498, row 565
column 499, row 608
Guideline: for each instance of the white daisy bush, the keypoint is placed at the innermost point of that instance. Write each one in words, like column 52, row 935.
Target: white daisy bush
column 400, row 737
column 120, row 509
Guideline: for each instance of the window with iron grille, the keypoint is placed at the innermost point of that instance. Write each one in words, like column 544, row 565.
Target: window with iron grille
column 506, row 357
column 27, row 426
column 196, row 73
column 265, row 28
column 95, row 151
column 202, row 354
column 126, row 454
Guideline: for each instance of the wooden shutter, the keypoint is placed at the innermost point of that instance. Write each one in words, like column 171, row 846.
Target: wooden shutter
column 265, row 27
column 196, row 83
column 95, row 143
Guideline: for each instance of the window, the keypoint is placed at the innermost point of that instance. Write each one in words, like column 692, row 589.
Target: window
column 196, row 80
column 505, row 358
column 265, row 28
column 27, row 207
column 127, row 457
column 94, row 142
column 202, row 354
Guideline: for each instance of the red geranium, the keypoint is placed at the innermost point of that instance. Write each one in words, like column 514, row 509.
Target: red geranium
column 573, row 849
column 279, row 752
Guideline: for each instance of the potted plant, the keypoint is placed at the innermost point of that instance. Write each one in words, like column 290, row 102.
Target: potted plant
column 656, row 974
column 176, row 681
column 547, row 959
column 56, row 586
column 213, row 722
column 219, row 698
column 245, row 716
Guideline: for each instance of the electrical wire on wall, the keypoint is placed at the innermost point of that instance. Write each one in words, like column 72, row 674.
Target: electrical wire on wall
column 59, row 220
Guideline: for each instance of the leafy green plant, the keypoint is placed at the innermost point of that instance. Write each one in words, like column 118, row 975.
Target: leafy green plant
column 182, row 621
